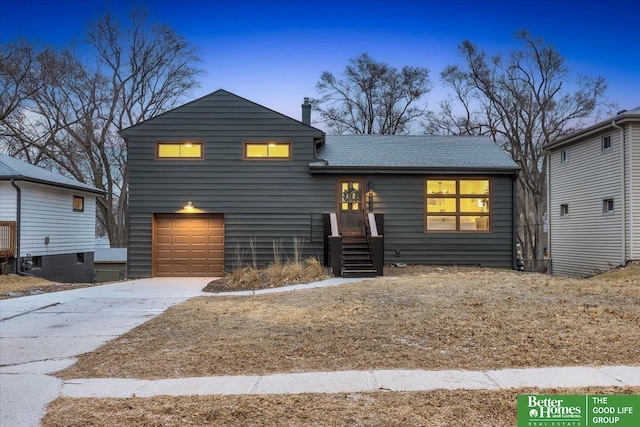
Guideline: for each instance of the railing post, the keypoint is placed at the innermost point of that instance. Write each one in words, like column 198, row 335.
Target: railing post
column 377, row 253
column 335, row 250
column 376, row 242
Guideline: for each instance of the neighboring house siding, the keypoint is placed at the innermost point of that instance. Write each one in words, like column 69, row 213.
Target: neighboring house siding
column 48, row 212
column 402, row 200
column 287, row 195
column 586, row 241
column 8, row 205
column 633, row 205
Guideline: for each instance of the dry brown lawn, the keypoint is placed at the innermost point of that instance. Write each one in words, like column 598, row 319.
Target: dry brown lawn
column 434, row 408
column 13, row 286
column 433, row 318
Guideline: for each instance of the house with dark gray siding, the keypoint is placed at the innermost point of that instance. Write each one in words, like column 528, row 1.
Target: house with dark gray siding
column 221, row 173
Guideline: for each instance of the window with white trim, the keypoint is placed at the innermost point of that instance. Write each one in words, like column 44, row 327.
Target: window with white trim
column 564, row 156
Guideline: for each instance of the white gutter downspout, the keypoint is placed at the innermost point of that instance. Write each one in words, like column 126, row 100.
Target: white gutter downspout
column 624, row 191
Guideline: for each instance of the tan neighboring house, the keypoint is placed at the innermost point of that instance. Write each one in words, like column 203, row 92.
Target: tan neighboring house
column 594, row 197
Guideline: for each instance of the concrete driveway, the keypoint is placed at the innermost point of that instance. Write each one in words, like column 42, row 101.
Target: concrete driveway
column 42, row 334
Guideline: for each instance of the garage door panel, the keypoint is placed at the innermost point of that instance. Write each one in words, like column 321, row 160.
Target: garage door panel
column 163, row 224
column 213, row 239
column 181, row 240
column 187, row 246
column 199, row 240
column 164, row 240
column 215, row 253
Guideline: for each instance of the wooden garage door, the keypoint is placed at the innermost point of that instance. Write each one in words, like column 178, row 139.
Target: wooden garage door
column 189, row 245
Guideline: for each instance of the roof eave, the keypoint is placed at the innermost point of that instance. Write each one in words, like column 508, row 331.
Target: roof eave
column 322, row 169
column 586, row 132
column 52, row 184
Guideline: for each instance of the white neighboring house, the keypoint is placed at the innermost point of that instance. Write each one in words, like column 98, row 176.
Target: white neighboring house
column 47, row 222
column 594, row 197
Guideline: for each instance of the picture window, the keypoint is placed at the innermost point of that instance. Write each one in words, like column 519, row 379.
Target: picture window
column 457, row 205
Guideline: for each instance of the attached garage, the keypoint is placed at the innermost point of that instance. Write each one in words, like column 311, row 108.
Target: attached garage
column 188, row 245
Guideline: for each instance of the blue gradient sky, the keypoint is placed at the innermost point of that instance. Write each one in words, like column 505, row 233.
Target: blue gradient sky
column 273, row 52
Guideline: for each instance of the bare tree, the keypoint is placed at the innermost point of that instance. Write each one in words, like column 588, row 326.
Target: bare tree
column 372, row 97
column 523, row 101
column 71, row 122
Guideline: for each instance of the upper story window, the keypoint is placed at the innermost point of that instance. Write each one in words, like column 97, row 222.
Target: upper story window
column 78, row 204
column 607, row 206
column 564, row 156
column 606, row 142
column 267, row 151
column 179, row 150
column 564, row 209
column 457, row 205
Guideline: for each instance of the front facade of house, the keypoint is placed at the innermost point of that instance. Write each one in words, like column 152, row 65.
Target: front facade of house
column 216, row 176
column 594, row 197
column 48, row 222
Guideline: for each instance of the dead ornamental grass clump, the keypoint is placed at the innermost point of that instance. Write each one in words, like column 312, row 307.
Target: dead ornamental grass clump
column 272, row 276
column 437, row 320
column 281, row 272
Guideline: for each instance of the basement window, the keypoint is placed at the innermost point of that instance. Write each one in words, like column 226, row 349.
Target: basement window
column 80, row 258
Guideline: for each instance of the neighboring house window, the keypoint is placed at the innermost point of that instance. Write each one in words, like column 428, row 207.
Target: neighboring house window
column 606, row 142
column 564, row 210
column 78, row 204
column 607, row 206
column 80, row 258
column 564, row 156
column 267, row 151
column 179, row 150
column 457, row 205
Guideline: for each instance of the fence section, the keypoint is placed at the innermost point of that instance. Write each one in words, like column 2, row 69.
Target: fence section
column 8, row 240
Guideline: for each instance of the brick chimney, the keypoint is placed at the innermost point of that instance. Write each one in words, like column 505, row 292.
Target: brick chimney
column 306, row 112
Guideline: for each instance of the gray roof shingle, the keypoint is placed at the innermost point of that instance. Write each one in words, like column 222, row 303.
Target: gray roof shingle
column 413, row 152
column 17, row 169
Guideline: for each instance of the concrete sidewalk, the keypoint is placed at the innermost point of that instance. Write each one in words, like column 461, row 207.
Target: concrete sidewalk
column 356, row 381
